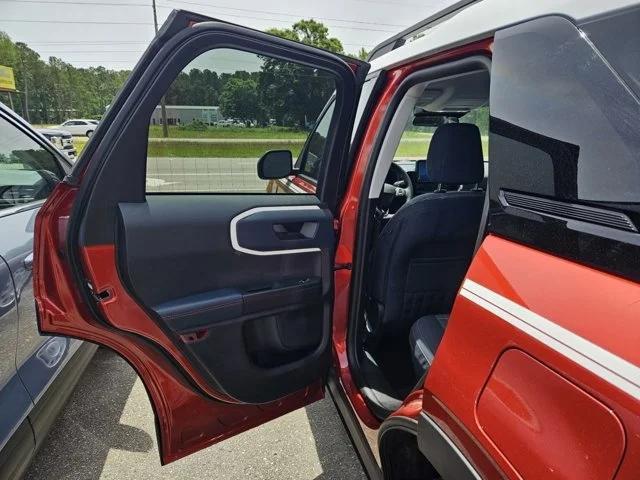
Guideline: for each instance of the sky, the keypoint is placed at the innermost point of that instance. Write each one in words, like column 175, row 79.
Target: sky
column 114, row 33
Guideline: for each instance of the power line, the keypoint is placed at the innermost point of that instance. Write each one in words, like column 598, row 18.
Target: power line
column 383, row 2
column 89, row 51
column 267, row 12
column 95, row 22
column 271, row 12
column 140, row 51
column 106, row 42
column 72, row 22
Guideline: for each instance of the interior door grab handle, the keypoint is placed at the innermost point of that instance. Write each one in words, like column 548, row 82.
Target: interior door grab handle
column 233, row 227
column 295, row 230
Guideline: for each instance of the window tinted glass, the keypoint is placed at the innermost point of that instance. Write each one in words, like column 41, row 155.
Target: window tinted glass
column 415, row 140
column 565, row 147
column 566, row 125
column 314, row 153
column 224, row 111
column 365, row 93
column 28, row 172
column 617, row 38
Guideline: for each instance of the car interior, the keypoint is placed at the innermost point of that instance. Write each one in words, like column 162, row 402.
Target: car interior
column 423, row 232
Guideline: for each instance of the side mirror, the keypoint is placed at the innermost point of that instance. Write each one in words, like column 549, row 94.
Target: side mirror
column 275, row 164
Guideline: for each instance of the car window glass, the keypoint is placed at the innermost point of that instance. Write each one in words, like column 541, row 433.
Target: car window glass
column 312, row 156
column 365, row 93
column 224, row 111
column 28, row 172
column 415, row 140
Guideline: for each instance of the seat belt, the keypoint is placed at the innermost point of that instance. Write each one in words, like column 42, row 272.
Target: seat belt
column 483, row 221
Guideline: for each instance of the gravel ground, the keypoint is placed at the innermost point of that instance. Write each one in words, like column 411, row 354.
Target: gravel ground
column 106, row 431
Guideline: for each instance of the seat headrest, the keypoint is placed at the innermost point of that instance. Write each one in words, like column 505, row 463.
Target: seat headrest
column 455, row 154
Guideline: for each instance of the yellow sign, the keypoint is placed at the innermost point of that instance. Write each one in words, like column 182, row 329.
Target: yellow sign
column 7, row 81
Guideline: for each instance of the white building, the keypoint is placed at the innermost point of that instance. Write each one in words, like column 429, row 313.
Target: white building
column 185, row 114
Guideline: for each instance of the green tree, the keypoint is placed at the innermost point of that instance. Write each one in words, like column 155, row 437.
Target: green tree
column 362, row 54
column 239, row 100
column 311, row 33
column 55, row 90
column 294, row 94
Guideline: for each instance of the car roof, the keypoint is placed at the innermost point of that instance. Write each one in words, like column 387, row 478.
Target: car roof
column 481, row 19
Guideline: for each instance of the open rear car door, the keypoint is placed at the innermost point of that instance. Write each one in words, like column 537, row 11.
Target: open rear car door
column 221, row 302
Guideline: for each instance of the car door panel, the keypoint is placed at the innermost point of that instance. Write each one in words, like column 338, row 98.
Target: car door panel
column 39, row 358
column 15, row 401
column 221, row 302
column 188, row 418
column 226, row 297
column 566, row 323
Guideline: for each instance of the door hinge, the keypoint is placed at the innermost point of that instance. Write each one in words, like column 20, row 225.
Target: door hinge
column 342, row 266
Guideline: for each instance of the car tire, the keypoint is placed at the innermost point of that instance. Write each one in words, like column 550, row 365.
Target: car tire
column 89, row 133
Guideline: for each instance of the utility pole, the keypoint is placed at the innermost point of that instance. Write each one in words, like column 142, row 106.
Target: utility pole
column 26, row 90
column 163, row 106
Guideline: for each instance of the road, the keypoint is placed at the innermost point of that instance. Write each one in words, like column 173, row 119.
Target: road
column 188, row 174
column 180, row 174
column 106, row 431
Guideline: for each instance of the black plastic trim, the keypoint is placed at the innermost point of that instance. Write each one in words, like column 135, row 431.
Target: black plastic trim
column 442, row 453
column 567, row 210
column 352, row 425
column 204, row 310
column 17, row 453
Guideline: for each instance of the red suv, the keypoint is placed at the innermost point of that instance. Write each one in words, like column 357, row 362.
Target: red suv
column 455, row 253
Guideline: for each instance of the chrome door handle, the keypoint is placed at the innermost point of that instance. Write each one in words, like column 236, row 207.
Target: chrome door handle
column 28, row 261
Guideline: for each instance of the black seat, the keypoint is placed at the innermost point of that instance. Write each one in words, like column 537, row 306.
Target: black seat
column 424, row 338
column 423, row 252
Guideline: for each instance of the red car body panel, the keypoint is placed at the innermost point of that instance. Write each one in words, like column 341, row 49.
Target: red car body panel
column 525, row 403
column 596, row 415
column 188, row 419
column 349, row 210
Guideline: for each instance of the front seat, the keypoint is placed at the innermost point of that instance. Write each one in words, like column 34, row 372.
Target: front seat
column 423, row 252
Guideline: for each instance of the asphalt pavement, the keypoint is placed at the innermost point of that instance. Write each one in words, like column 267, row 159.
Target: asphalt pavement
column 188, row 174
column 106, row 431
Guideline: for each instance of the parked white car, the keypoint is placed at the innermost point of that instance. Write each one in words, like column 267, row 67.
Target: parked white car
column 79, row 126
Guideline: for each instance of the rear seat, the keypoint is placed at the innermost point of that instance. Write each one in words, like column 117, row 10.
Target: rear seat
column 424, row 338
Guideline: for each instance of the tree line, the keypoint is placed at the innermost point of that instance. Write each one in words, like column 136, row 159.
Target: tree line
column 52, row 90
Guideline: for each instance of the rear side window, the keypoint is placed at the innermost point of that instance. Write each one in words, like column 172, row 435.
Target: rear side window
column 28, row 172
column 225, row 110
column 565, row 146
column 616, row 36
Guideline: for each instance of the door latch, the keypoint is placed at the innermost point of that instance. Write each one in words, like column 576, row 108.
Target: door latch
column 342, row 266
